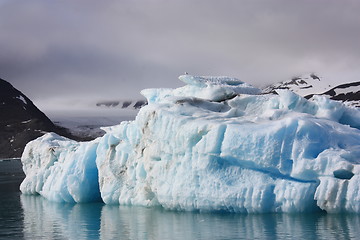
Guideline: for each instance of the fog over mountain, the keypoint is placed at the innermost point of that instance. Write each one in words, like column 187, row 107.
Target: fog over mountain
column 72, row 54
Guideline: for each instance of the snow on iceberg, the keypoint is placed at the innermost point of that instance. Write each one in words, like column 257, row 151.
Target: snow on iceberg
column 212, row 145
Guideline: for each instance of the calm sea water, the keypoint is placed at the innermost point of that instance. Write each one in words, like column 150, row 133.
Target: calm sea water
column 33, row 217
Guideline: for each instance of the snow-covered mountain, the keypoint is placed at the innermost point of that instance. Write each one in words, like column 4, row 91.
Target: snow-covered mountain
column 310, row 85
column 348, row 93
column 302, row 85
column 128, row 104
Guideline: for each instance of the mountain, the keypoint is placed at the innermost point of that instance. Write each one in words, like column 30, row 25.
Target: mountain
column 348, row 93
column 302, row 85
column 127, row 104
column 21, row 121
column 310, row 85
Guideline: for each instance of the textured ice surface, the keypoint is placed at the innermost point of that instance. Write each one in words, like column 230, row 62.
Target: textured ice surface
column 60, row 169
column 212, row 145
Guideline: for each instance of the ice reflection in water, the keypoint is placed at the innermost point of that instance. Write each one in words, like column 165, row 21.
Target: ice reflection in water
column 49, row 220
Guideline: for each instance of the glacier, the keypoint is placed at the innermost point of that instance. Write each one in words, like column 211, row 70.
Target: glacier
column 215, row 144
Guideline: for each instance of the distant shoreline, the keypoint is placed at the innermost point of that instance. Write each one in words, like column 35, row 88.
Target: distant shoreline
column 10, row 167
column 11, row 175
column 9, row 159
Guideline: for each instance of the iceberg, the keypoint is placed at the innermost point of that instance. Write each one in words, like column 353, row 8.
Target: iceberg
column 215, row 144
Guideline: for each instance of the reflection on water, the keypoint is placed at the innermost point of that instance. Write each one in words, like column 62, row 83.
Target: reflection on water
column 11, row 215
column 49, row 220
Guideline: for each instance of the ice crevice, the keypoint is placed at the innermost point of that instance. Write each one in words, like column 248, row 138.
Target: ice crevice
column 272, row 172
column 215, row 144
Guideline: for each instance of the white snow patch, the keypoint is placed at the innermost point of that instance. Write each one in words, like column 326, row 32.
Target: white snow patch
column 22, row 99
column 353, row 89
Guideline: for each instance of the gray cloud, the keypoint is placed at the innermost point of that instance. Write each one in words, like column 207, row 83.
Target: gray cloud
column 111, row 49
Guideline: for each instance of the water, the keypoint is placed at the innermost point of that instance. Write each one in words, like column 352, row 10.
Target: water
column 33, row 217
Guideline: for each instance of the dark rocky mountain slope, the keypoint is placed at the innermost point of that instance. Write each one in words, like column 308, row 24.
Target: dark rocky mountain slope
column 20, row 121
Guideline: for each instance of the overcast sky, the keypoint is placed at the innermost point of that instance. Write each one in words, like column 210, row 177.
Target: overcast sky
column 58, row 52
